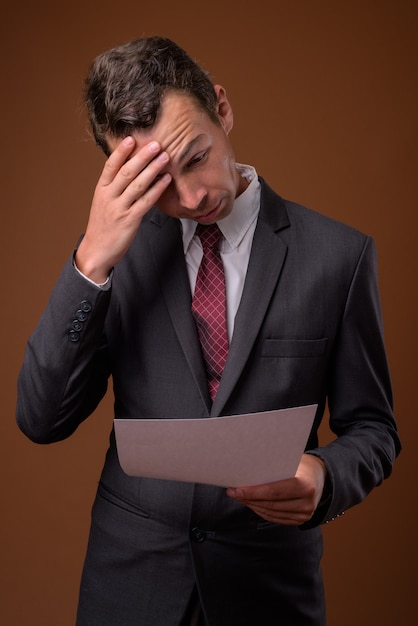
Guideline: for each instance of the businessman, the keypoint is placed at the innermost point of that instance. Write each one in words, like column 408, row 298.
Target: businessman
column 202, row 293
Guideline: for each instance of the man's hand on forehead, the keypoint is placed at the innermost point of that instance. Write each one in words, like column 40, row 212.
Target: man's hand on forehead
column 131, row 183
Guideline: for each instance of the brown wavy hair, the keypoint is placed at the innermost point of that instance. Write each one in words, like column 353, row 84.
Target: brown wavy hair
column 125, row 85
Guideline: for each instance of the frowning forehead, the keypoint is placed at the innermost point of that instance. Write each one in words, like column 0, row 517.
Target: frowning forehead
column 181, row 128
column 181, row 125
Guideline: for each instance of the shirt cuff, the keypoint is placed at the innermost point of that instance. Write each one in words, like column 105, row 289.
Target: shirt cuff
column 104, row 286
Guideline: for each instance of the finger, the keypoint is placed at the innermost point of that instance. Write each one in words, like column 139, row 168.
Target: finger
column 117, row 159
column 280, row 518
column 150, row 197
column 283, row 516
column 279, row 511
column 280, row 490
column 145, row 180
column 124, row 165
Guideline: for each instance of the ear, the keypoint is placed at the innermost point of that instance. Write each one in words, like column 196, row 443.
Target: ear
column 225, row 114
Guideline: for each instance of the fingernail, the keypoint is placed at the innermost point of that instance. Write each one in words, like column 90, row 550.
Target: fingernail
column 163, row 157
column 154, row 146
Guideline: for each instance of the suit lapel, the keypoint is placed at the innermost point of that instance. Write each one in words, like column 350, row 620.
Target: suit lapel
column 268, row 254
column 168, row 253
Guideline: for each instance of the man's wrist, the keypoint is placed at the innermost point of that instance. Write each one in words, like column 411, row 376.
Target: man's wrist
column 101, row 285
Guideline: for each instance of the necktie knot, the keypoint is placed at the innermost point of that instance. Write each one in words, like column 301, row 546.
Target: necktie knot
column 210, row 236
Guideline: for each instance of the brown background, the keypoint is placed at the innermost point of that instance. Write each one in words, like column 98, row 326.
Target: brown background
column 325, row 100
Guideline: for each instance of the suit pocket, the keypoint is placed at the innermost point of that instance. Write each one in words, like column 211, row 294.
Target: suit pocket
column 121, row 502
column 294, row 348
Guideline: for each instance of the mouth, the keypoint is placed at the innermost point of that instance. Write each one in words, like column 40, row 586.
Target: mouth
column 210, row 217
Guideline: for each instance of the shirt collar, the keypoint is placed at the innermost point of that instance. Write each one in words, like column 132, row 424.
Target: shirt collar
column 244, row 211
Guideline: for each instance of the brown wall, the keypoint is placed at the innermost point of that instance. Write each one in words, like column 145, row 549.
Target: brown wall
column 325, row 100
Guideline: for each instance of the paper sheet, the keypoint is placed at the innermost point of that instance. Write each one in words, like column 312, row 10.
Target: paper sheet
column 231, row 451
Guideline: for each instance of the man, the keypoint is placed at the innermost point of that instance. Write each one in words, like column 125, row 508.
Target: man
column 303, row 326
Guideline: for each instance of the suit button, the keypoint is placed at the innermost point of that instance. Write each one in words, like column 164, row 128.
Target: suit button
column 81, row 315
column 73, row 336
column 77, row 325
column 198, row 534
column 85, row 306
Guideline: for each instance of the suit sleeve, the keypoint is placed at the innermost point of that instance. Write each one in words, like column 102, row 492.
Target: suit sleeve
column 65, row 369
column 359, row 398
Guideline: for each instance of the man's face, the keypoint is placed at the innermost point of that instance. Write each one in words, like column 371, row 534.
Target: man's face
column 204, row 181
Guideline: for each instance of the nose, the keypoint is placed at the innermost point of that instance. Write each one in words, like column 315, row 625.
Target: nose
column 191, row 195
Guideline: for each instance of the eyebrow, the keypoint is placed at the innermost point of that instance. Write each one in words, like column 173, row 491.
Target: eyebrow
column 190, row 146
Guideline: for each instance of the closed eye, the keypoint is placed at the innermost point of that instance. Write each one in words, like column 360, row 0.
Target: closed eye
column 197, row 159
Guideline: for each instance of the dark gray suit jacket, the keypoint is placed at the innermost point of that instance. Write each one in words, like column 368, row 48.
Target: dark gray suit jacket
column 308, row 330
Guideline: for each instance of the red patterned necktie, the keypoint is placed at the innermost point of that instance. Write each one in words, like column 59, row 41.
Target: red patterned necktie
column 209, row 306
